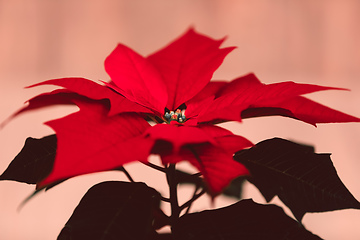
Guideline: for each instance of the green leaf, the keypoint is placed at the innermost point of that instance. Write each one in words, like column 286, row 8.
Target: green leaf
column 113, row 210
column 34, row 162
column 242, row 220
column 305, row 181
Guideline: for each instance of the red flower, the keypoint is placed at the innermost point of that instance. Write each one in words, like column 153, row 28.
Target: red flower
column 172, row 87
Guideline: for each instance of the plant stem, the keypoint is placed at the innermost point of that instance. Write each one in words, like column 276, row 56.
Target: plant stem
column 161, row 169
column 164, row 199
column 188, row 208
column 196, row 196
column 172, row 181
column 127, row 174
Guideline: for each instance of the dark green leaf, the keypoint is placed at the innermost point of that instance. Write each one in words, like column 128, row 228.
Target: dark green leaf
column 34, row 162
column 242, row 220
column 113, row 210
column 303, row 180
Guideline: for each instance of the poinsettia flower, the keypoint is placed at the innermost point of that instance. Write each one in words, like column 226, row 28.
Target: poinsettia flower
column 172, row 88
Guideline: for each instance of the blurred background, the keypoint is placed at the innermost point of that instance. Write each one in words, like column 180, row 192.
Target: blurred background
column 304, row 41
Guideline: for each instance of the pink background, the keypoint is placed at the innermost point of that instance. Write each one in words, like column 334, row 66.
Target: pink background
column 305, row 41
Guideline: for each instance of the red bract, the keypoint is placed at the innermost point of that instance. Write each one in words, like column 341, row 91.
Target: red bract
column 172, row 88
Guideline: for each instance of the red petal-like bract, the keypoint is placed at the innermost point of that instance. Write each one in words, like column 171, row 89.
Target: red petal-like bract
column 187, row 65
column 216, row 165
column 110, row 128
column 311, row 112
column 55, row 97
column 91, row 141
column 179, row 135
column 248, row 97
column 209, row 148
column 136, row 78
column 92, row 90
column 203, row 99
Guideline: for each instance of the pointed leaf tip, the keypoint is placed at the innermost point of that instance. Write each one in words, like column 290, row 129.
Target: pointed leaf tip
column 136, row 78
column 247, row 97
column 303, row 180
column 191, row 56
column 34, row 162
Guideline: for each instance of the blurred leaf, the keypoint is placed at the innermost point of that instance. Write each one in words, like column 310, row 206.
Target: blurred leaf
column 303, row 180
column 34, row 162
column 187, row 178
column 113, row 210
column 233, row 190
column 242, row 220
